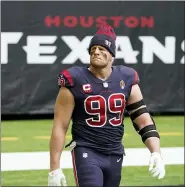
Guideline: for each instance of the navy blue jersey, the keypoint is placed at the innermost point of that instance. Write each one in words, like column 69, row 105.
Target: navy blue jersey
column 97, row 119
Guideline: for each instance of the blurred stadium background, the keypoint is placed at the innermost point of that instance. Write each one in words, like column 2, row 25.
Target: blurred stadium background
column 39, row 39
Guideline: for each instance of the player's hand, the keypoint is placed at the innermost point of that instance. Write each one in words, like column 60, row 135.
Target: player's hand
column 56, row 178
column 156, row 165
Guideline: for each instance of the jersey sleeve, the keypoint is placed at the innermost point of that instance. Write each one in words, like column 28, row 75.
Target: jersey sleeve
column 135, row 78
column 65, row 79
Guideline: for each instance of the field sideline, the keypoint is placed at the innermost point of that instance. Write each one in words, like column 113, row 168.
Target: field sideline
column 40, row 160
column 30, row 138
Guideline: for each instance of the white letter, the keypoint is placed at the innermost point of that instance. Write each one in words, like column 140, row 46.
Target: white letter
column 152, row 46
column 126, row 51
column 8, row 38
column 78, row 49
column 34, row 49
column 182, row 47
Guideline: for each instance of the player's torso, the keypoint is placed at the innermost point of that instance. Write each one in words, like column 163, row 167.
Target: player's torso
column 99, row 109
column 99, row 102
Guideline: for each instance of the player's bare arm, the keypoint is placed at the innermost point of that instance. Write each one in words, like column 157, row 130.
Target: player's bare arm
column 145, row 126
column 144, row 119
column 62, row 115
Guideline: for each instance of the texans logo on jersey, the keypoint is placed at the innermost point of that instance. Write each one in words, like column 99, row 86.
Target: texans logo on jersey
column 61, row 80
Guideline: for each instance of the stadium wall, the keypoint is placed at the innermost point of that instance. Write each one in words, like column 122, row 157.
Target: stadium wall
column 37, row 43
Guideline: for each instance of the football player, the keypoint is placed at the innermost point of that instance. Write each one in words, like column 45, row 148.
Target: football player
column 95, row 98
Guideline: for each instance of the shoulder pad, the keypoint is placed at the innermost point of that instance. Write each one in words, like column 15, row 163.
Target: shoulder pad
column 66, row 78
column 130, row 73
column 135, row 77
column 69, row 77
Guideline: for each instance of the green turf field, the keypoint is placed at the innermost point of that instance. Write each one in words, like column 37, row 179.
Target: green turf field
column 33, row 135
column 130, row 176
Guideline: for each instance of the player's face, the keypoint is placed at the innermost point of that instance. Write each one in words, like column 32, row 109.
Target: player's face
column 100, row 57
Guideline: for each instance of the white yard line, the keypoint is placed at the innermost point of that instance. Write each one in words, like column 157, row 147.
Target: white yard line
column 40, row 160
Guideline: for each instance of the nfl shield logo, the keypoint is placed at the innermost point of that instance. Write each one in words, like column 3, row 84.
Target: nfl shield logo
column 85, row 155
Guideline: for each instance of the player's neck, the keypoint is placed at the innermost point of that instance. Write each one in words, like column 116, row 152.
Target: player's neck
column 102, row 74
